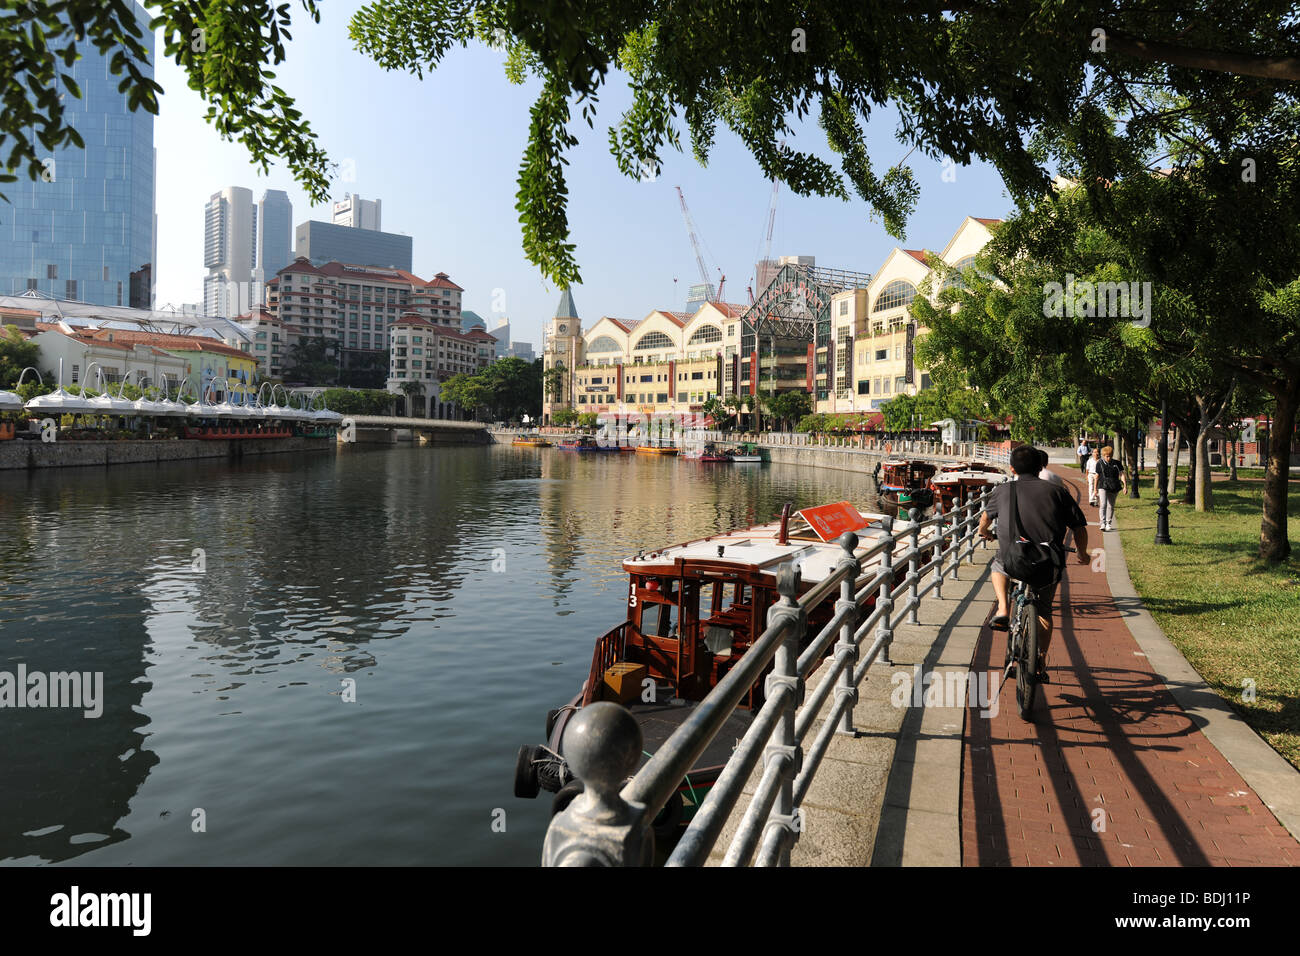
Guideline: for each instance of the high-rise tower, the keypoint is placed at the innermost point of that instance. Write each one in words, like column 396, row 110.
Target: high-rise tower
column 85, row 229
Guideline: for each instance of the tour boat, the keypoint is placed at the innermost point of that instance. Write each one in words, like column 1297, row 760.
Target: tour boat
column 585, row 443
column 905, row 483
column 531, row 442
column 692, row 612
column 708, row 452
column 747, row 455
column 955, row 488
column 657, row 450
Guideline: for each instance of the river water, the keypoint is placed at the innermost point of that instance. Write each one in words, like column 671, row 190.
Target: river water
column 324, row 659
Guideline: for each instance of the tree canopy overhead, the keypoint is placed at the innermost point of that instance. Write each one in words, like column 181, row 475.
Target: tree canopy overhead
column 1017, row 83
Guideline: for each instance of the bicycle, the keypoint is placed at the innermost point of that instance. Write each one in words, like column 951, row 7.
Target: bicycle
column 1022, row 645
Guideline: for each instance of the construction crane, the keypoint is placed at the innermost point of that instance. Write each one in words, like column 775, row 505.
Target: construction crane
column 710, row 294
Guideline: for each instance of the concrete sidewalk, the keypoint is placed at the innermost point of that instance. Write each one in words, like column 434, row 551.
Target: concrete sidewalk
column 1115, row 769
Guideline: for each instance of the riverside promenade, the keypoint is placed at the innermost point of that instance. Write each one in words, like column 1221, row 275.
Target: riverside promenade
column 1131, row 759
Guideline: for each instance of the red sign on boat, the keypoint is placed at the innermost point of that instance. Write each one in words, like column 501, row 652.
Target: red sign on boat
column 831, row 521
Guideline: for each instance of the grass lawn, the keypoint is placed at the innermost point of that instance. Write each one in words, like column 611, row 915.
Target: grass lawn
column 1233, row 618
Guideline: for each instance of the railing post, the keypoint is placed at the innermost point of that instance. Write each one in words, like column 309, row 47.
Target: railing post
column 785, row 673
column 884, row 601
column 942, row 546
column 984, row 505
column 914, row 597
column 846, row 651
column 970, row 532
column 602, row 745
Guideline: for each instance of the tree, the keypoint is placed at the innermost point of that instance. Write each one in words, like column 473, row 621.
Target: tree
column 312, row 360
column 789, row 407
column 1008, row 82
column 16, row 354
column 1218, row 257
column 412, row 390
column 564, row 416
column 467, row 391
column 724, row 418
column 553, row 382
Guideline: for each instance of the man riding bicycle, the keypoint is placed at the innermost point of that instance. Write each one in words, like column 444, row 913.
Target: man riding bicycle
column 1044, row 511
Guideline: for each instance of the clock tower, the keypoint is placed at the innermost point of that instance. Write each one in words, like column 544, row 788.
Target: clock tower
column 564, row 350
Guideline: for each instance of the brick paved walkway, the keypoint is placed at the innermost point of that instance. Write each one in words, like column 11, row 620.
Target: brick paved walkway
column 1106, row 736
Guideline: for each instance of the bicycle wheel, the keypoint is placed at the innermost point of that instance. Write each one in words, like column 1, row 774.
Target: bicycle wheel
column 1027, row 661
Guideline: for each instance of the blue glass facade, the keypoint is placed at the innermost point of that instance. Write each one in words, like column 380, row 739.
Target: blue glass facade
column 83, row 230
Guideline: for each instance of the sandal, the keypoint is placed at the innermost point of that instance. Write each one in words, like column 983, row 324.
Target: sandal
column 1000, row 623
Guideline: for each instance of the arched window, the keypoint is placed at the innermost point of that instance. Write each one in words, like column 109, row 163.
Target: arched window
column 653, row 340
column 706, row 333
column 899, row 292
column 604, row 344
column 961, row 265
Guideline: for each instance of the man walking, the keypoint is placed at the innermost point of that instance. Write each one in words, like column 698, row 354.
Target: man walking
column 1083, row 451
column 1110, row 482
column 1092, row 476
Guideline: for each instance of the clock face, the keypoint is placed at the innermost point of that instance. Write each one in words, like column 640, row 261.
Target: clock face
column 562, row 328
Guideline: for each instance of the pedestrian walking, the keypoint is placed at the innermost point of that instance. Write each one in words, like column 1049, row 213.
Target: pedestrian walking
column 1092, row 476
column 1043, row 472
column 1110, row 482
column 1084, row 453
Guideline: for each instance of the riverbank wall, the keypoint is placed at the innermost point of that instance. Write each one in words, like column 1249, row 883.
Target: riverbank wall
column 30, row 455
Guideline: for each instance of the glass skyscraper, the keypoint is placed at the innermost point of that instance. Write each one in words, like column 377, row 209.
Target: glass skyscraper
column 85, row 230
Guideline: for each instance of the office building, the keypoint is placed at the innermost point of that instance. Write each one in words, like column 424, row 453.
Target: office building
column 229, row 246
column 358, row 213
column 85, row 227
column 274, row 236
column 322, row 242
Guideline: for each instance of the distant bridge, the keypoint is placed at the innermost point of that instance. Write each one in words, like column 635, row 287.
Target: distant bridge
column 392, row 421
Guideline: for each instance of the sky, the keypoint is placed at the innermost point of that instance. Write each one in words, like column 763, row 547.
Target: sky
column 443, row 154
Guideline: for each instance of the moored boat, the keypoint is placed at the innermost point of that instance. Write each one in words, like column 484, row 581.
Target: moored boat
column 955, row 488
column 692, row 612
column 657, row 450
column 905, row 483
column 528, row 442
column 747, row 454
column 585, row 443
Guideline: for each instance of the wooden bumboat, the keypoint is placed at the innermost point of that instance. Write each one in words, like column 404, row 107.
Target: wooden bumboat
column 905, row 483
column 954, row 488
column 692, row 612
column 585, row 443
column 531, row 442
column 747, row 454
column 657, row 450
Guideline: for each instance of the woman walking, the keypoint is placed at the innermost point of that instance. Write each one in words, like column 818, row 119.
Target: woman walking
column 1110, row 482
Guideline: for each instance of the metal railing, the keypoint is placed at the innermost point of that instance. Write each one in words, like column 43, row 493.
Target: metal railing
column 609, row 824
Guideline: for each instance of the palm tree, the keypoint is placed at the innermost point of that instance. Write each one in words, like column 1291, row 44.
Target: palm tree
column 410, row 390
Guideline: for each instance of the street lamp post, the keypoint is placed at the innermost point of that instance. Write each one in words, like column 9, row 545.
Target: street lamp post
column 1162, row 477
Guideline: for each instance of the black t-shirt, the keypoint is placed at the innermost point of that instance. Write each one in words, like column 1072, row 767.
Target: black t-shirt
column 1045, row 510
column 1108, row 474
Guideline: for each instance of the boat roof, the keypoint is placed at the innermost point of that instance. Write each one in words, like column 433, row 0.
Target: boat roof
column 992, row 477
column 757, row 548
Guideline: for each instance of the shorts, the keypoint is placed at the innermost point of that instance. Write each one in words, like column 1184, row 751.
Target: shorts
column 1043, row 596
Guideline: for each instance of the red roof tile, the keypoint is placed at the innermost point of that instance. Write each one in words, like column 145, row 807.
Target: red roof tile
column 987, row 222
column 917, row 254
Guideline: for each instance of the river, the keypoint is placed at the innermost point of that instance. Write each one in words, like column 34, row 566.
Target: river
column 323, row 659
